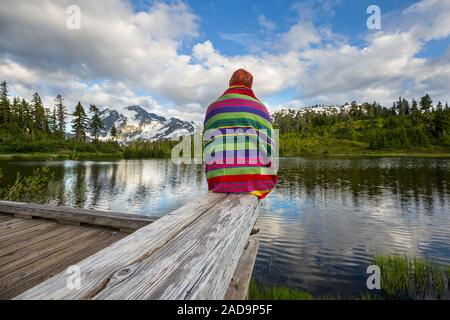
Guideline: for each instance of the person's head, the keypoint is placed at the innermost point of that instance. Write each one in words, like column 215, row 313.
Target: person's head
column 241, row 77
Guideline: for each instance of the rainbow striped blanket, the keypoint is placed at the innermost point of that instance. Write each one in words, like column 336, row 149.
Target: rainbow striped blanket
column 239, row 145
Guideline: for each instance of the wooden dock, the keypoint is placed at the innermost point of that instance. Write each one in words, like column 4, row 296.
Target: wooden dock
column 200, row 251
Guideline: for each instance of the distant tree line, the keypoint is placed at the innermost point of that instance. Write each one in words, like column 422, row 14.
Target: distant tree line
column 29, row 126
column 406, row 124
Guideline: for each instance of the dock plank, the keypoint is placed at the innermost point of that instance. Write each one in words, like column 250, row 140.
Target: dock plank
column 42, row 249
column 23, row 239
column 238, row 288
column 83, row 245
column 99, row 268
column 197, row 264
column 20, row 228
column 92, row 217
column 190, row 253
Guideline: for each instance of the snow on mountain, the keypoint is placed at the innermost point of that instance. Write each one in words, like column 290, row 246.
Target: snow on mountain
column 135, row 123
column 332, row 109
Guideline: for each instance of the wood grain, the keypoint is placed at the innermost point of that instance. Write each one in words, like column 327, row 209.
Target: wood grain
column 190, row 253
column 238, row 288
column 67, row 214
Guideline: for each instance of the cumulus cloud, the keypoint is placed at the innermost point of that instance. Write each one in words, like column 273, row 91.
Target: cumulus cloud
column 121, row 56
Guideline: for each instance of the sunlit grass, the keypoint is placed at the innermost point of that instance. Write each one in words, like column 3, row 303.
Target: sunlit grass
column 412, row 278
column 401, row 278
column 259, row 291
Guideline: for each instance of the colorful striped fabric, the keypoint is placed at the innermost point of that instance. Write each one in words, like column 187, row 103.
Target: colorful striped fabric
column 238, row 145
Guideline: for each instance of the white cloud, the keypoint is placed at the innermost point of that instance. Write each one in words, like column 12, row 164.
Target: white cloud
column 124, row 57
column 266, row 24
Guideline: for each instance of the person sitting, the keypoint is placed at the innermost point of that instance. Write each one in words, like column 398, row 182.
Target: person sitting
column 238, row 141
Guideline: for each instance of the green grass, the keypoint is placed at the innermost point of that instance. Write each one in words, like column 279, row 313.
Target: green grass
column 61, row 156
column 258, row 291
column 412, row 278
column 401, row 278
column 40, row 187
column 290, row 147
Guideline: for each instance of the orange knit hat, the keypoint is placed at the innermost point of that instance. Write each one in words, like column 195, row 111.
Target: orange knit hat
column 241, row 77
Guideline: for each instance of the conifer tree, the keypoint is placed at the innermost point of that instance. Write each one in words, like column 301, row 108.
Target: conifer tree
column 79, row 123
column 14, row 113
column 54, row 128
column 96, row 124
column 4, row 105
column 38, row 113
column 426, row 103
column 61, row 112
column 27, row 121
column 113, row 132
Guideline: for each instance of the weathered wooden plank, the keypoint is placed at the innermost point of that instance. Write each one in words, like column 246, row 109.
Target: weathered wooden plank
column 92, row 217
column 5, row 217
column 69, row 222
column 50, row 232
column 197, row 264
column 23, row 238
column 43, row 249
column 238, row 288
column 23, row 216
column 19, row 228
column 10, row 223
column 35, row 273
column 103, row 269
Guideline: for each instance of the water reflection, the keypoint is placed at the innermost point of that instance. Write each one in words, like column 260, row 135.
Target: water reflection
column 320, row 228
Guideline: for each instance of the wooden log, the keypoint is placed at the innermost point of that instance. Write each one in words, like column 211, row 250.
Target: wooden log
column 239, row 284
column 92, row 217
column 23, row 216
column 190, row 253
column 69, row 222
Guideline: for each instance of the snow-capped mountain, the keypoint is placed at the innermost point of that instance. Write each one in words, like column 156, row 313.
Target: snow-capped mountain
column 332, row 109
column 135, row 123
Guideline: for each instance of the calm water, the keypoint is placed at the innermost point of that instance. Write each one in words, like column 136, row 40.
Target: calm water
column 320, row 228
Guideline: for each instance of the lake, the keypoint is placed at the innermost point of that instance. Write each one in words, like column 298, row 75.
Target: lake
column 320, row 228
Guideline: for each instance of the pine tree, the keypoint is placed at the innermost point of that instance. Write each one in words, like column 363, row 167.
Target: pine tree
column 426, row 103
column 4, row 105
column 113, row 132
column 415, row 113
column 61, row 111
column 14, row 113
column 439, row 121
column 54, row 128
column 26, row 118
column 38, row 113
column 47, row 120
column 96, row 124
column 79, row 123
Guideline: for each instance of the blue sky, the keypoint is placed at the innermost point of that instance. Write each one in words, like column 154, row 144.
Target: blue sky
column 174, row 57
column 347, row 17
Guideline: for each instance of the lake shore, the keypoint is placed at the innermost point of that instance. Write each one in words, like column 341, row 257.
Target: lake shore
column 119, row 155
column 61, row 156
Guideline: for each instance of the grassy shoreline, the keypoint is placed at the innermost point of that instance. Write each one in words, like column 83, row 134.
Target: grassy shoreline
column 61, row 156
column 119, row 155
column 402, row 278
